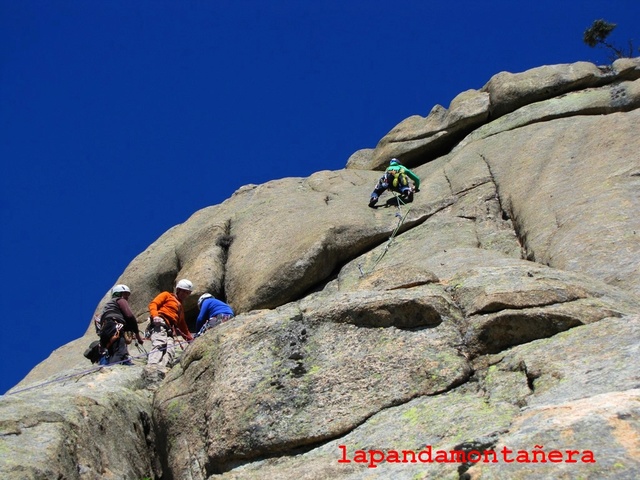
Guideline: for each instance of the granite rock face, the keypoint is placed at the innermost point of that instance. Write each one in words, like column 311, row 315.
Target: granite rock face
column 497, row 317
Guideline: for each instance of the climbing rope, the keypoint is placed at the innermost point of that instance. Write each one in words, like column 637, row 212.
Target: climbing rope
column 82, row 373
column 140, row 347
column 401, row 219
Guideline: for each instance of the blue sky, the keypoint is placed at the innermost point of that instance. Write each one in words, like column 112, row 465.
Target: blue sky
column 119, row 118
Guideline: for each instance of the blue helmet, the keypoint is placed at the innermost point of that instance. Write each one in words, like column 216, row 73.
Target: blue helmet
column 394, row 161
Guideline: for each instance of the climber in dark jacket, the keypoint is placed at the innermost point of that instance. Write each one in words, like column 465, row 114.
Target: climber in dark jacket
column 116, row 319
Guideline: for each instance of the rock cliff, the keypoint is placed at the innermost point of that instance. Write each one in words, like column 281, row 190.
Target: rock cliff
column 490, row 329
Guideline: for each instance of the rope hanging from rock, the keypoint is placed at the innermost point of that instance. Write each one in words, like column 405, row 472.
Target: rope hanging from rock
column 401, row 219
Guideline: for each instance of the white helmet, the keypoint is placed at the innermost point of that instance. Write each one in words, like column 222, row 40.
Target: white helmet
column 118, row 290
column 202, row 298
column 185, row 285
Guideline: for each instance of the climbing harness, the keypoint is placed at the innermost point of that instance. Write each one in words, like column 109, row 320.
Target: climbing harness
column 214, row 322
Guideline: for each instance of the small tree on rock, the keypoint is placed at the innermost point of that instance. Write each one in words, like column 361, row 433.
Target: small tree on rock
column 597, row 34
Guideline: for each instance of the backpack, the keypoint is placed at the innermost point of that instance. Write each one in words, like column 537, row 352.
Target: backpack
column 93, row 353
column 397, row 177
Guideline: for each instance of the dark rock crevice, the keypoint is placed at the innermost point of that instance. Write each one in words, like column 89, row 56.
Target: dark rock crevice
column 409, row 285
column 407, row 315
column 498, row 306
column 531, row 378
column 446, row 177
column 506, row 215
column 439, row 147
column 219, row 468
column 477, row 446
column 224, row 241
column 509, row 328
column 464, row 191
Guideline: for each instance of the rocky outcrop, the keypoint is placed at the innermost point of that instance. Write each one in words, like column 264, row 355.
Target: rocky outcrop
column 497, row 314
column 420, row 139
column 92, row 425
column 544, row 396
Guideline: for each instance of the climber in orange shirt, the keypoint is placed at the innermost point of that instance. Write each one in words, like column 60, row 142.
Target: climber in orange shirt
column 167, row 321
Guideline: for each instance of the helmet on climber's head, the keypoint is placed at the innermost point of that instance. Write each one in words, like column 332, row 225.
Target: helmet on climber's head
column 202, row 298
column 185, row 285
column 118, row 290
column 394, row 161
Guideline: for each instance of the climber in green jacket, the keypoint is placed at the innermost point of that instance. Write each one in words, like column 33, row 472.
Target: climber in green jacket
column 396, row 177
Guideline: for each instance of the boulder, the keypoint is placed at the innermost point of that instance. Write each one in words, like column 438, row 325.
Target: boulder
column 510, row 91
column 96, row 424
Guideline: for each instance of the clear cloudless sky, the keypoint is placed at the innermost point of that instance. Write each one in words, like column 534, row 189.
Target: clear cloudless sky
column 119, row 119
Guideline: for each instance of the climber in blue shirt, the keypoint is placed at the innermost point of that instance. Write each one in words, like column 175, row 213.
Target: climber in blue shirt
column 212, row 312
